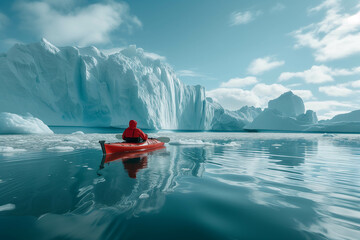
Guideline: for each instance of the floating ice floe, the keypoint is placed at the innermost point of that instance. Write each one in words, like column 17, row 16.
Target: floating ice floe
column 78, row 133
column 7, row 207
column 11, row 123
column 144, row 195
column 4, row 149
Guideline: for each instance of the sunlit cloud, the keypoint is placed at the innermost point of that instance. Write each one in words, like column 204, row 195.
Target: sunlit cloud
column 319, row 74
column 336, row 36
column 91, row 24
column 355, row 84
column 336, row 91
column 239, row 82
column 261, row 65
column 239, row 18
column 304, row 94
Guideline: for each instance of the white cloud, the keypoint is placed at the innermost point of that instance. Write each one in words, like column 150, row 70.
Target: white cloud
column 238, row 18
column 319, row 74
column 239, row 82
column 278, row 7
column 336, row 91
column 326, row 4
column 316, row 74
column 304, row 94
column 3, row 20
column 336, row 36
column 86, row 25
column 355, row 84
column 260, row 65
column 268, row 92
column 234, row 98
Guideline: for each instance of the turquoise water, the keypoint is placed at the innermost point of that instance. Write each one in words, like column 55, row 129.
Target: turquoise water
column 201, row 186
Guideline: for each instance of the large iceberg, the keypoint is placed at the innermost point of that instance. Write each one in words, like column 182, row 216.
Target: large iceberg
column 285, row 113
column 289, row 104
column 72, row 86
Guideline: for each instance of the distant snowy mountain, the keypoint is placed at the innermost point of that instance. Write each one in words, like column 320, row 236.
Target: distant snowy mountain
column 71, row 86
column 353, row 116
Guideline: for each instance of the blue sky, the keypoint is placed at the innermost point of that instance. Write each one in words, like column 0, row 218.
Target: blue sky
column 243, row 52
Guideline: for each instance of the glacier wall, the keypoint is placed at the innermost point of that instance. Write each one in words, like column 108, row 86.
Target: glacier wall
column 71, row 86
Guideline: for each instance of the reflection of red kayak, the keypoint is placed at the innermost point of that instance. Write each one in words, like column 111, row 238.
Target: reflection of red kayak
column 133, row 161
column 129, row 155
column 110, row 148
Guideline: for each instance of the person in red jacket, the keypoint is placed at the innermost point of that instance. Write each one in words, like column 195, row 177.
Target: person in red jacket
column 133, row 134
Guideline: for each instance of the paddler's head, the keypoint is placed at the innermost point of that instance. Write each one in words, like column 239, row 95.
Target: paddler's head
column 132, row 124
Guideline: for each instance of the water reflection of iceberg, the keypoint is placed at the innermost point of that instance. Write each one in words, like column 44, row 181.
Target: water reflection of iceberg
column 105, row 206
column 290, row 152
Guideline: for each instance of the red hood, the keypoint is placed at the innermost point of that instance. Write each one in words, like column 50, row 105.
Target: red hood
column 132, row 124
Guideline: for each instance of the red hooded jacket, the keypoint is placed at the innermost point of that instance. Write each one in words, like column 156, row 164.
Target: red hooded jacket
column 133, row 132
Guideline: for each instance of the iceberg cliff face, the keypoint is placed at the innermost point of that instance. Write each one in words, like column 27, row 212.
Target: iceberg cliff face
column 70, row 86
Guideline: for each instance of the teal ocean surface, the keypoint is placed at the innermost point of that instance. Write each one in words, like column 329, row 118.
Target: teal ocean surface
column 203, row 185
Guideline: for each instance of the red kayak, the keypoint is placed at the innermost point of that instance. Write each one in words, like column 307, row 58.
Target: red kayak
column 110, row 148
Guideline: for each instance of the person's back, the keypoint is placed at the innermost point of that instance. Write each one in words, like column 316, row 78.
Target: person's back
column 134, row 134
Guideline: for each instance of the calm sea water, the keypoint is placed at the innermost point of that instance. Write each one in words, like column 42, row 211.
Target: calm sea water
column 201, row 186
